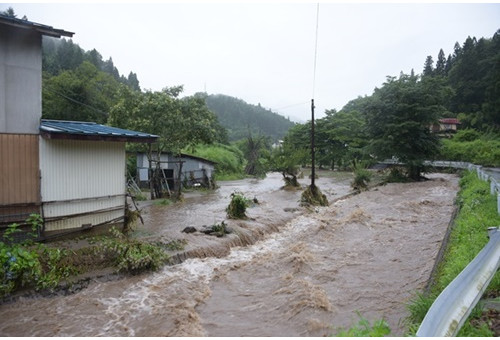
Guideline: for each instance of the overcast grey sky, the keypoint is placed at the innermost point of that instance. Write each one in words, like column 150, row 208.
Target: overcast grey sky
column 264, row 53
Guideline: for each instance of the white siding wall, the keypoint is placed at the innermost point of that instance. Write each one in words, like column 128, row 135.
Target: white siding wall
column 20, row 80
column 77, row 177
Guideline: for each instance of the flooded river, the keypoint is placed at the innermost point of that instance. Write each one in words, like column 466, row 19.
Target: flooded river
column 284, row 272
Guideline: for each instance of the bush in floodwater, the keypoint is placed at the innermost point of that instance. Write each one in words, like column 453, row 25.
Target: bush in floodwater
column 361, row 179
column 314, row 196
column 237, row 207
column 397, row 175
column 364, row 329
column 130, row 255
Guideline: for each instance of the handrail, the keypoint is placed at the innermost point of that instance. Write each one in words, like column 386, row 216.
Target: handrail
column 455, row 303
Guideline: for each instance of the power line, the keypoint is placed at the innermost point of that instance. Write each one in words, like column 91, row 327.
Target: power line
column 291, row 105
column 76, row 101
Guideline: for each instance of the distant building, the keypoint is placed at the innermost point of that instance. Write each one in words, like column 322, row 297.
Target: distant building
column 70, row 173
column 446, row 125
column 193, row 172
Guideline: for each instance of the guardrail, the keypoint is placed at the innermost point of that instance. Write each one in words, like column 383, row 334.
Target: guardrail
column 452, row 307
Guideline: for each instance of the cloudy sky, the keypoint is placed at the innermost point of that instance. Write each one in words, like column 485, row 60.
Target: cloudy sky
column 265, row 52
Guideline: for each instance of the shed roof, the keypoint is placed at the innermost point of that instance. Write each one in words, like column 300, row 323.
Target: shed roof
column 185, row 155
column 59, row 129
column 449, row 121
column 40, row 28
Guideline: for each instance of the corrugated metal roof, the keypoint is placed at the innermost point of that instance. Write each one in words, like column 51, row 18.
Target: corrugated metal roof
column 449, row 121
column 42, row 29
column 59, row 129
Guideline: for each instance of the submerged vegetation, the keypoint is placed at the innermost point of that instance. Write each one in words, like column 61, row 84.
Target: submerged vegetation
column 478, row 211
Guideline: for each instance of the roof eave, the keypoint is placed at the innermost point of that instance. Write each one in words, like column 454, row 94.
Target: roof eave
column 42, row 29
column 95, row 137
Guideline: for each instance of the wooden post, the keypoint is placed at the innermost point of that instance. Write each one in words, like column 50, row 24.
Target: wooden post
column 313, row 170
column 150, row 172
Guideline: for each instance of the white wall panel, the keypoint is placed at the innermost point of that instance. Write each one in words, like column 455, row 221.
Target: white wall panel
column 73, row 169
column 77, row 222
column 79, row 177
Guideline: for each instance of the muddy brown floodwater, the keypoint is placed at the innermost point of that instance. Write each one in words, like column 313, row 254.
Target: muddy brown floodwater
column 284, row 272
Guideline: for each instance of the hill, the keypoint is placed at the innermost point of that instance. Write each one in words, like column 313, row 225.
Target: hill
column 239, row 117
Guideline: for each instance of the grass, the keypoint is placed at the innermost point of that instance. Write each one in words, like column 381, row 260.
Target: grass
column 478, row 211
column 364, row 328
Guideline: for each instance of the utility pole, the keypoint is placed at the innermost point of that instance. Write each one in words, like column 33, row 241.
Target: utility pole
column 313, row 171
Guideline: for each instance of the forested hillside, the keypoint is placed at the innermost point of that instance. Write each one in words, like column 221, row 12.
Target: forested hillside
column 240, row 118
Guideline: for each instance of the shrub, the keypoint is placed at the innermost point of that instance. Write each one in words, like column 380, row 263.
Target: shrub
column 396, row 175
column 482, row 151
column 314, row 196
column 230, row 160
column 364, row 329
column 132, row 256
column 238, row 206
column 361, row 179
column 24, row 264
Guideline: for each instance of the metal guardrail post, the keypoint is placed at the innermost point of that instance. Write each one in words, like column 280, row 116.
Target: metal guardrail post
column 455, row 303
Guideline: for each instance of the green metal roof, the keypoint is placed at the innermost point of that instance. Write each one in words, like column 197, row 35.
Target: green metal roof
column 59, row 129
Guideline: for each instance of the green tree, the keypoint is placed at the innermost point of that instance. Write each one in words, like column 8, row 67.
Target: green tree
column 180, row 123
column 399, row 118
column 440, row 64
column 83, row 94
column 9, row 12
column 428, row 66
column 287, row 161
column 257, row 153
column 133, row 82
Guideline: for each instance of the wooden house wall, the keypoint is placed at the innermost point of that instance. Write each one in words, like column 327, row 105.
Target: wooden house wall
column 19, row 177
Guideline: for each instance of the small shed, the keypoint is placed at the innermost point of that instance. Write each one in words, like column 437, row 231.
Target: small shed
column 194, row 170
column 82, row 166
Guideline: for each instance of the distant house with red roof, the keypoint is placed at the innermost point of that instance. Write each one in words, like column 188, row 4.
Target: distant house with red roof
column 446, row 125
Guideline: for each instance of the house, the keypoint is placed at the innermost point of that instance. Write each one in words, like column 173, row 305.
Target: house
column 70, row 173
column 193, row 170
column 446, row 125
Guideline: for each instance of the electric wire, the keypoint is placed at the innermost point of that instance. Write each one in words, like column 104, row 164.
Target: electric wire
column 75, row 101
